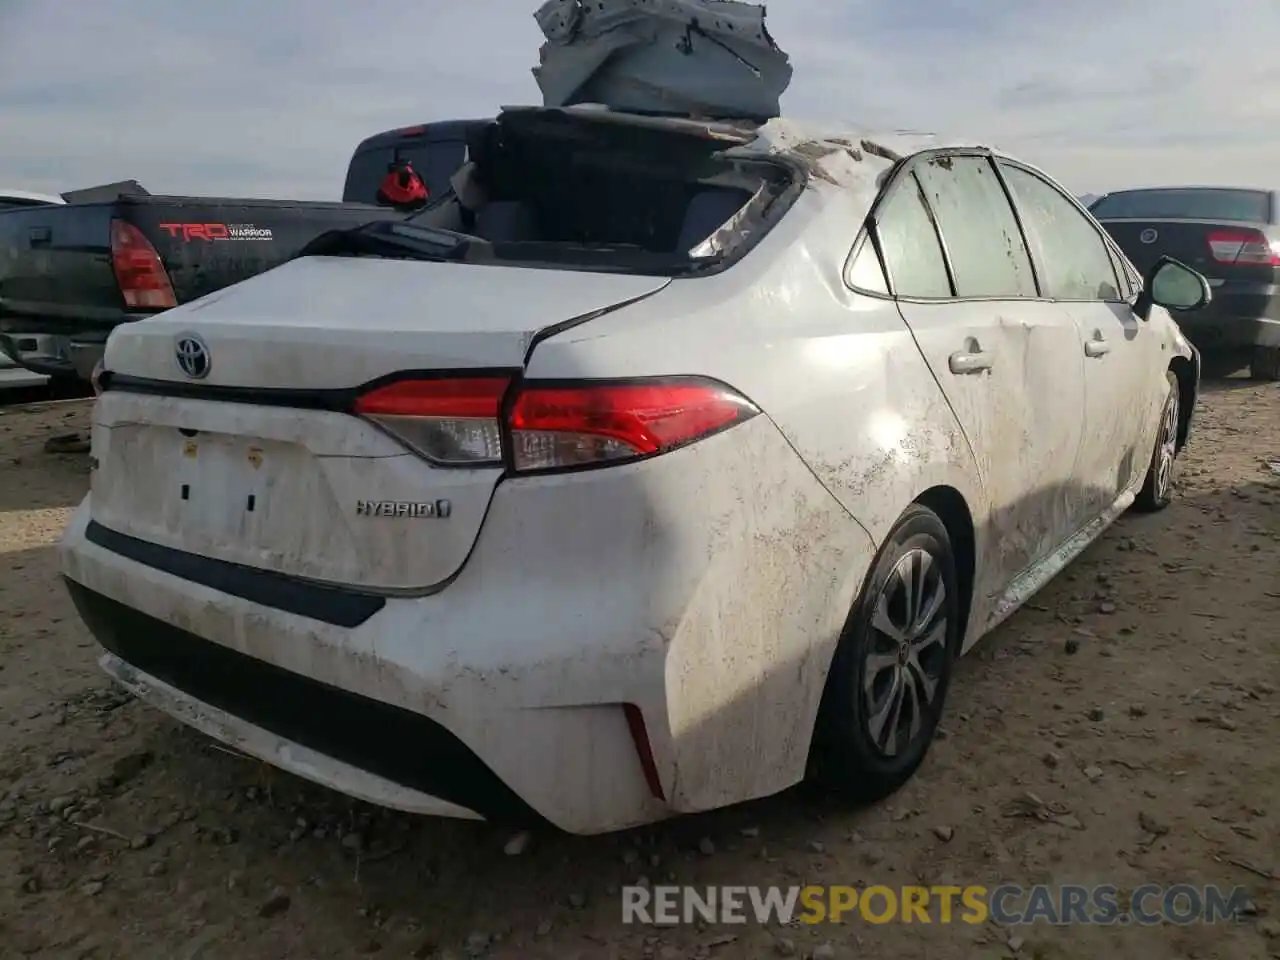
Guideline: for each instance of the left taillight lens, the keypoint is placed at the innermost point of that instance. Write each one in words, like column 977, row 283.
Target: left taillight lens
column 466, row 422
column 453, row 422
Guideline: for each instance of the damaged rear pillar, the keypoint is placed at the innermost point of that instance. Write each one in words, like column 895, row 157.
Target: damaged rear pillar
column 708, row 59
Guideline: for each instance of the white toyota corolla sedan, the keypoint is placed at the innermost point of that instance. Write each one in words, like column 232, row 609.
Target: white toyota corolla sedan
column 658, row 467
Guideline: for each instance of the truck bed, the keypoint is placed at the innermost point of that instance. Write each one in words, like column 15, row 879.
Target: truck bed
column 57, row 276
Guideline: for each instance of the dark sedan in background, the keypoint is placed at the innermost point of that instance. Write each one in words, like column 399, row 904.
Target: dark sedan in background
column 1230, row 235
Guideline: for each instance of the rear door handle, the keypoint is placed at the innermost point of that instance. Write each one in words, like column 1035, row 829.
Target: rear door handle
column 964, row 362
column 1096, row 347
column 39, row 236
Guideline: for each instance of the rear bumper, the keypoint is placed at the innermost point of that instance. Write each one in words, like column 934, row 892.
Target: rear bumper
column 1239, row 315
column 42, row 353
column 69, row 346
column 503, row 695
column 317, row 730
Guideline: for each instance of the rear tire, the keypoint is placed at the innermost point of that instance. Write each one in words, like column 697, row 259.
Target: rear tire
column 889, row 677
column 1265, row 363
column 1157, row 488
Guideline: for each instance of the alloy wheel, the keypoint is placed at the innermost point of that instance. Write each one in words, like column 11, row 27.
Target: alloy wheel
column 906, row 652
column 1168, row 446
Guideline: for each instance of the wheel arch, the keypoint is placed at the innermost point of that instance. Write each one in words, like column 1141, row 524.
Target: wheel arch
column 953, row 510
column 1185, row 369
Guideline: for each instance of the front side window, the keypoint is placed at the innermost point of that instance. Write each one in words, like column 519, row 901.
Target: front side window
column 912, row 253
column 1075, row 262
column 988, row 256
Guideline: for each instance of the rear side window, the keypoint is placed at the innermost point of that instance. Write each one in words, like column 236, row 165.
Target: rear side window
column 988, row 256
column 912, row 254
column 1075, row 262
column 866, row 273
column 435, row 161
column 1236, row 206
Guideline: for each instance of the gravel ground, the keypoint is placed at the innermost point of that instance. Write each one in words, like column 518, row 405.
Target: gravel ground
column 1135, row 699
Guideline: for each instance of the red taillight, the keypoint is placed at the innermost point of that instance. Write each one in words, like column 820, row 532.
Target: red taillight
column 1246, row 247
column 458, row 422
column 139, row 270
column 591, row 424
column 452, row 422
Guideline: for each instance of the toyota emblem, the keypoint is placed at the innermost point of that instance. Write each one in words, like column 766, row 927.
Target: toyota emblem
column 192, row 355
column 1148, row 236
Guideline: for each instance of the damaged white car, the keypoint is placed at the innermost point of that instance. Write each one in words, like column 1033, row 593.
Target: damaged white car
column 666, row 464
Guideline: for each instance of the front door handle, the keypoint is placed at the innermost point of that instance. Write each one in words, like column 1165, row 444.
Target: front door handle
column 1097, row 347
column 975, row 362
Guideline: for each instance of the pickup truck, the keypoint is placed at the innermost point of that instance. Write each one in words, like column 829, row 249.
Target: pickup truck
column 14, row 371
column 72, row 272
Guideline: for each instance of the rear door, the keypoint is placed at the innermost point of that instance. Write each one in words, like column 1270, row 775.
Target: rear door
column 1123, row 365
column 1008, row 363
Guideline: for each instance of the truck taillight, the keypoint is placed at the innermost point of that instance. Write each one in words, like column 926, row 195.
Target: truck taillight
column 139, row 270
column 460, row 421
column 1243, row 246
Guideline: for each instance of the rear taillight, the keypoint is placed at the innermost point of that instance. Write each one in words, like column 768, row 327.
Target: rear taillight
column 460, row 422
column 590, row 424
column 1243, row 246
column 139, row 270
column 451, row 422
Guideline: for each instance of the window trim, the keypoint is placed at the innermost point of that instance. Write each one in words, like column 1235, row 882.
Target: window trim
column 869, row 233
column 907, row 167
column 1107, row 243
column 867, row 236
column 990, row 156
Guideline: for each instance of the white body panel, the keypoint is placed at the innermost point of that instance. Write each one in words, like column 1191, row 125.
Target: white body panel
column 707, row 587
column 332, row 322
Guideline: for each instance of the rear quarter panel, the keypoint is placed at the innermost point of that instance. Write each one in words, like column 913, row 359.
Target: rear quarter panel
column 843, row 382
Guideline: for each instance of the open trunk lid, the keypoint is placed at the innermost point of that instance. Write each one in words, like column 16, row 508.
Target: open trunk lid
column 703, row 58
column 262, row 461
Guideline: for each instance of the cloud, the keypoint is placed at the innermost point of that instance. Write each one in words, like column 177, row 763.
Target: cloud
column 268, row 98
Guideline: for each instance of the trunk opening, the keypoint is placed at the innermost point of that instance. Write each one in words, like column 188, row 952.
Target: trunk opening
column 564, row 189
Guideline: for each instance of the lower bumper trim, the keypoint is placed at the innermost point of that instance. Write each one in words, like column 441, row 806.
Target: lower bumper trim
column 397, row 745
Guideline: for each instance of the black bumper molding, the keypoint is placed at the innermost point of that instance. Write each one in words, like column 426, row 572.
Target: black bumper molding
column 332, row 605
column 398, row 745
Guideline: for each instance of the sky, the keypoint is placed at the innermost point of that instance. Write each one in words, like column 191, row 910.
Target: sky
column 267, row 98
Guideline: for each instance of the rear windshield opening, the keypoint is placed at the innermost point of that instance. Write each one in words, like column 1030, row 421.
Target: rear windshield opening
column 1237, row 206
column 603, row 195
column 433, row 160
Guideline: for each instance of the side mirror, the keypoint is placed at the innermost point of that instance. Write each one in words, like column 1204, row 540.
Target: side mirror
column 1173, row 285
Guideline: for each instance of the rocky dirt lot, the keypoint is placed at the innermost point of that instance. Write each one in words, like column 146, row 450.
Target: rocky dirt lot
column 1135, row 698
